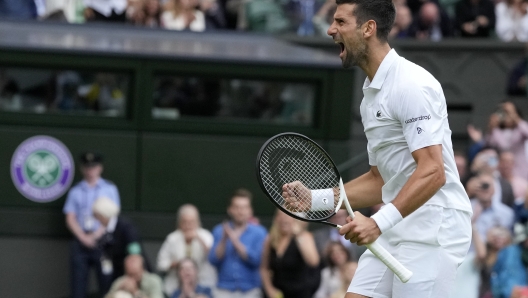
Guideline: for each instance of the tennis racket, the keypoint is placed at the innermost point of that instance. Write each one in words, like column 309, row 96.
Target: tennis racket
column 291, row 157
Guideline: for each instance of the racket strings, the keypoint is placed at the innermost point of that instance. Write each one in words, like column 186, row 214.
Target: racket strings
column 289, row 158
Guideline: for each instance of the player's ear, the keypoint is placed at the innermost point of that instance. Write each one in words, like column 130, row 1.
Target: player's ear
column 369, row 28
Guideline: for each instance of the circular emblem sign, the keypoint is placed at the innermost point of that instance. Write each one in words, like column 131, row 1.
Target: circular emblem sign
column 42, row 168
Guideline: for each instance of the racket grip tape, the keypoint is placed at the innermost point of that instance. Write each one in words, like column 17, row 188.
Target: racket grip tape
column 394, row 265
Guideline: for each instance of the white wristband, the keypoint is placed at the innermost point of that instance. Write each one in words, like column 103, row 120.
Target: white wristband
column 322, row 199
column 387, row 217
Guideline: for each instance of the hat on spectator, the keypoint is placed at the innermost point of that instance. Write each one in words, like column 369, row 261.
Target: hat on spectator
column 91, row 158
column 105, row 207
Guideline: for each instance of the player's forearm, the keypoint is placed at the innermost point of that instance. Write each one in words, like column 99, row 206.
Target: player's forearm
column 364, row 191
column 426, row 180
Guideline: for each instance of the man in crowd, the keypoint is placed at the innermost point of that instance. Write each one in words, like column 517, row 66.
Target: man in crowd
column 137, row 281
column 84, row 227
column 237, row 250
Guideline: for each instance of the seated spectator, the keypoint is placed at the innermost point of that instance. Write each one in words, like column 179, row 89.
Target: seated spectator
column 237, row 250
column 189, row 240
column 18, row 9
column 327, row 234
column 184, row 15
column 486, row 162
column 512, row 20
column 120, row 238
column 430, row 23
column 337, row 258
column 289, row 259
column 462, row 166
column 105, row 10
column 187, row 272
column 510, row 268
column 509, row 131
column 347, row 273
column 324, row 17
column 402, row 22
column 136, row 281
column 497, row 239
column 519, row 185
column 491, row 213
column 145, row 13
column 517, row 84
column 475, row 18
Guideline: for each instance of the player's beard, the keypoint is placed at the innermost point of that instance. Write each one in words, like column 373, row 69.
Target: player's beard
column 357, row 55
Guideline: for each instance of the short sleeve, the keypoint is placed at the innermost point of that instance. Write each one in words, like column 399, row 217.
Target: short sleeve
column 421, row 112
column 69, row 206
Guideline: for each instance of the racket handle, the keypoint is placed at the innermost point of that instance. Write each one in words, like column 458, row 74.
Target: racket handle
column 403, row 273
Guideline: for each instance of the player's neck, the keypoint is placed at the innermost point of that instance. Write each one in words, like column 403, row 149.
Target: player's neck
column 376, row 55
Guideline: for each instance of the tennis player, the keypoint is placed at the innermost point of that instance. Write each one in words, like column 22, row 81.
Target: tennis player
column 426, row 220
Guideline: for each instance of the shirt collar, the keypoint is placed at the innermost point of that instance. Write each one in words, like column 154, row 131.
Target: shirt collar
column 98, row 184
column 383, row 70
column 110, row 228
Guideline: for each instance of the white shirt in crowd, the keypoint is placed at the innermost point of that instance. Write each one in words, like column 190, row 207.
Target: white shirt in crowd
column 511, row 25
column 407, row 114
column 330, row 282
column 172, row 22
column 105, row 7
column 174, row 248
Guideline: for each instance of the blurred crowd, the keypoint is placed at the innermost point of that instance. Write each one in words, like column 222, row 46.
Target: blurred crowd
column 494, row 172
column 238, row 258
column 506, row 20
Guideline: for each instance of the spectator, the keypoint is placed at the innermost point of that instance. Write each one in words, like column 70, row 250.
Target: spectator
column 510, row 268
column 497, row 239
column 430, row 24
column 85, row 228
column 105, row 10
column 491, row 213
column 519, row 185
column 18, row 9
column 189, row 240
column 347, row 273
column 512, row 20
column 475, row 18
column 145, row 13
column 402, row 22
column 187, row 272
column 487, row 161
column 327, row 234
column 324, row 17
column 185, row 15
column 337, row 258
column 136, row 281
column 120, row 239
column 462, row 167
column 289, row 260
column 237, row 250
column 509, row 131
column 517, row 79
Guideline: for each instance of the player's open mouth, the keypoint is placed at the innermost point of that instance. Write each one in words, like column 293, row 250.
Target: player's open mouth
column 342, row 47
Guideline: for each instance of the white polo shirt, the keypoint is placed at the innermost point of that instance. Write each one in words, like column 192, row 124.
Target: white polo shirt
column 403, row 110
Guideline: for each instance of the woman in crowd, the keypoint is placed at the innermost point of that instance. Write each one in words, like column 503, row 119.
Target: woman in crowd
column 347, row 273
column 337, row 257
column 188, row 241
column 508, row 132
column 289, row 265
column 486, row 256
column 187, row 272
column 512, row 20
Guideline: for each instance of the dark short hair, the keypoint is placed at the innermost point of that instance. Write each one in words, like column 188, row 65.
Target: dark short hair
column 382, row 12
column 240, row 193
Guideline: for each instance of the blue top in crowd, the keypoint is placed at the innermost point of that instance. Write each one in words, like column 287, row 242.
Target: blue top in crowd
column 508, row 271
column 199, row 290
column 234, row 273
column 81, row 198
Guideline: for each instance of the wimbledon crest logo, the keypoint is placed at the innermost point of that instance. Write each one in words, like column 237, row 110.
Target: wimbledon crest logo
column 42, row 168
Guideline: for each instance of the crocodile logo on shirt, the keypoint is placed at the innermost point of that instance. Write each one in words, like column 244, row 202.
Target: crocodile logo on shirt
column 378, row 114
column 420, row 130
